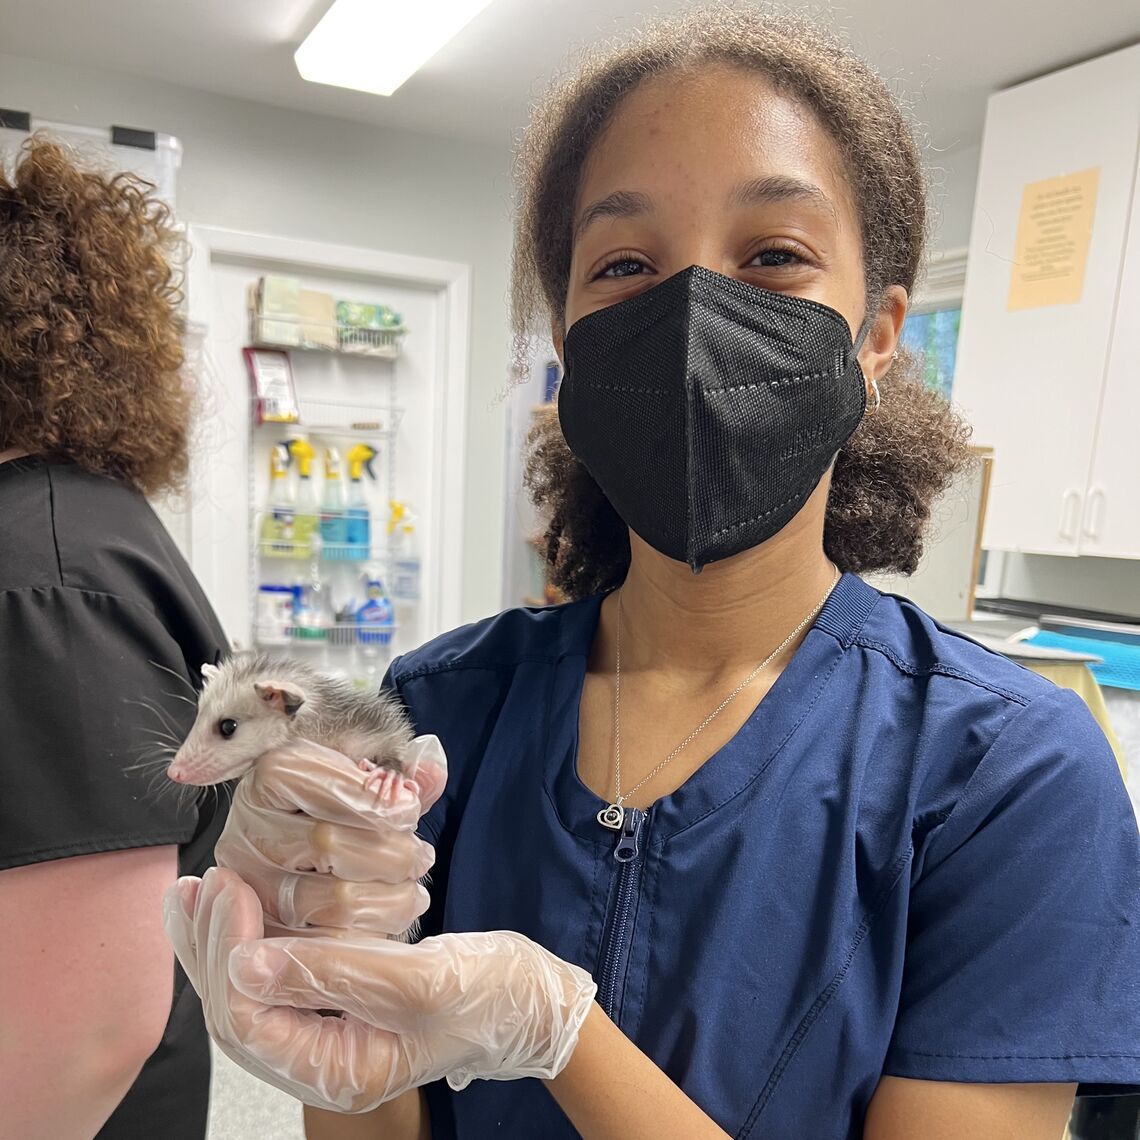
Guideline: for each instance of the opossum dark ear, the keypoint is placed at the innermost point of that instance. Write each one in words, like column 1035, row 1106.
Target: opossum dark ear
column 218, row 658
column 283, row 696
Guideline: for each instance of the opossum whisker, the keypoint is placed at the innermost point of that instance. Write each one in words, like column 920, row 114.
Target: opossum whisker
column 175, row 674
column 180, row 697
column 153, row 788
column 161, row 736
column 162, row 714
column 155, row 762
column 159, row 791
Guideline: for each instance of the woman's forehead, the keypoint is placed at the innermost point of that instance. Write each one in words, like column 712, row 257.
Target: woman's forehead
column 711, row 130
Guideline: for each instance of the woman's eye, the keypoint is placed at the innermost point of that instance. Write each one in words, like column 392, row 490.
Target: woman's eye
column 626, row 267
column 776, row 257
column 227, row 727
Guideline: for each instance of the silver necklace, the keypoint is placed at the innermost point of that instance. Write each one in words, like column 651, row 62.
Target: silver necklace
column 614, row 815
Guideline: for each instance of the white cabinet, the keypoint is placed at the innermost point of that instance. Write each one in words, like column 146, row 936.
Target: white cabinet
column 1052, row 389
column 1110, row 524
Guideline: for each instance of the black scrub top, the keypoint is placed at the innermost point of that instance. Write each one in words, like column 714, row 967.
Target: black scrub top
column 96, row 603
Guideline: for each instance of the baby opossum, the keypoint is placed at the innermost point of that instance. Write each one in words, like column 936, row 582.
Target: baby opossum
column 252, row 703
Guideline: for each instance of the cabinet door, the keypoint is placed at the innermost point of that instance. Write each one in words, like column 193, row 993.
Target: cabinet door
column 1111, row 523
column 1030, row 379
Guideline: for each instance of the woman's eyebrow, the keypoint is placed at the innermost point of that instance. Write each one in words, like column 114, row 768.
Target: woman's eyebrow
column 781, row 188
column 620, row 204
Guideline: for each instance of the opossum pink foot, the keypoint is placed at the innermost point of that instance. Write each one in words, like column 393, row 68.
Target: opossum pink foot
column 385, row 783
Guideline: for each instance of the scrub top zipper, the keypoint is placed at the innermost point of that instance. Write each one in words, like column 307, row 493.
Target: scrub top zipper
column 629, row 855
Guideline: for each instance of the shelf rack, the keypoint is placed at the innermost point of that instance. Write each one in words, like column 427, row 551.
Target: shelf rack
column 292, row 334
column 328, row 419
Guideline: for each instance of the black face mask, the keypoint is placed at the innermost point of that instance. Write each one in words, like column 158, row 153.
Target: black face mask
column 707, row 410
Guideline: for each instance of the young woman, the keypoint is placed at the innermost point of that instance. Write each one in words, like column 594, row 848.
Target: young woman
column 763, row 852
column 102, row 626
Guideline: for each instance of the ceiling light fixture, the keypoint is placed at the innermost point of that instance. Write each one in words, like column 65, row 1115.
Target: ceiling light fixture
column 374, row 46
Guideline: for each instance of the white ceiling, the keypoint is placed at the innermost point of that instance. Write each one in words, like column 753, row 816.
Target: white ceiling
column 945, row 55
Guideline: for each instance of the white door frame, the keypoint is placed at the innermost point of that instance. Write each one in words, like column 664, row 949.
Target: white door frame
column 452, row 282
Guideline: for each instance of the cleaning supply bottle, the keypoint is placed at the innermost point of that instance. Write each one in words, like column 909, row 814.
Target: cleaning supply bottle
column 306, row 516
column 376, row 619
column 358, row 522
column 333, row 506
column 276, row 535
column 405, row 559
column 313, row 611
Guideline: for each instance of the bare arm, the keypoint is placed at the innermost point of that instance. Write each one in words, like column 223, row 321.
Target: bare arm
column 86, row 987
column 935, row 1110
column 611, row 1089
column 405, row 1118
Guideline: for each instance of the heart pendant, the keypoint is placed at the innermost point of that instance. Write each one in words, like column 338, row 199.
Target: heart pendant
column 612, row 817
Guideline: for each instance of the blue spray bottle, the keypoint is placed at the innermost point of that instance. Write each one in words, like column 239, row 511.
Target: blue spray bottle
column 358, row 518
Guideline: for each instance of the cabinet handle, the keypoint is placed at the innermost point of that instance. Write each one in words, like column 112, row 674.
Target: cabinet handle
column 1070, row 513
column 1094, row 511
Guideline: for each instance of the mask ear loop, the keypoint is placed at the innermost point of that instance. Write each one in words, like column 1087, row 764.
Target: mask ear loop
column 868, row 408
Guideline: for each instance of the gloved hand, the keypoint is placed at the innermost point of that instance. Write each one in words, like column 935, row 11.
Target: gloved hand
column 459, row 1006
column 323, row 849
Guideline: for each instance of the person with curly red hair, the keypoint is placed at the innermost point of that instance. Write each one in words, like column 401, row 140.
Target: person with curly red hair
column 103, row 630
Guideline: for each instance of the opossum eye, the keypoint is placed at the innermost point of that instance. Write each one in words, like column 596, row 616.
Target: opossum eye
column 227, row 727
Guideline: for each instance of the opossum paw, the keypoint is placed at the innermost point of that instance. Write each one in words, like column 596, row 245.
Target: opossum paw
column 385, row 783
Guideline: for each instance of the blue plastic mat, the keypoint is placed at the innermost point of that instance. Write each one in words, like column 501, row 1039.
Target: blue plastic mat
column 1120, row 664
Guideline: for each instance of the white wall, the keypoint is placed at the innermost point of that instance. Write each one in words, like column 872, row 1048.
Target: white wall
column 254, row 167
column 953, row 179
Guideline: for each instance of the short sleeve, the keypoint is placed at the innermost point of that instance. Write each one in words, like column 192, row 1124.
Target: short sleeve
column 92, row 689
column 1023, row 941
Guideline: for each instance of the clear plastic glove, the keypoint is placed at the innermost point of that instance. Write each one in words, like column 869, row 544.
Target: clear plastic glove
column 323, row 848
column 459, row 1006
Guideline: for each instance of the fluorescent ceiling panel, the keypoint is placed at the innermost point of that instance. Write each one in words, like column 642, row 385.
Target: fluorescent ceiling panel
column 375, row 45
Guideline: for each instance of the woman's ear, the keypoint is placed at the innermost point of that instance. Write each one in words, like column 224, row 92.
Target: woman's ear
column 883, row 336
column 558, row 338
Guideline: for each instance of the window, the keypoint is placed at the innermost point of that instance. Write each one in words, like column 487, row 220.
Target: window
column 931, row 326
column 934, row 337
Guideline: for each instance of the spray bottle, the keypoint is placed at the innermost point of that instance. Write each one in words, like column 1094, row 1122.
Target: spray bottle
column 405, row 560
column 276, row 535
column 312, row 607
column 376, row 618
column 306, row 518
column 358, row 523
column 333, row 521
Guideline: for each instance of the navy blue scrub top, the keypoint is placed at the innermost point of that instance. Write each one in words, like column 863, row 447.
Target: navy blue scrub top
column 916, row 858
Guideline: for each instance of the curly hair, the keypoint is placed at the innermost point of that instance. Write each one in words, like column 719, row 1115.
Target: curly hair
column 899, row 460
column 91, row 348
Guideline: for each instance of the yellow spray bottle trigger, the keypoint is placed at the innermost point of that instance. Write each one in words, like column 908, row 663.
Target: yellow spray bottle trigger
column 400, row 517
column 304, row 452
column 360, row 458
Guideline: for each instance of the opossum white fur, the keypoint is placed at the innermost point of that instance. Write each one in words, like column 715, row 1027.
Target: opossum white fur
column 252, row 703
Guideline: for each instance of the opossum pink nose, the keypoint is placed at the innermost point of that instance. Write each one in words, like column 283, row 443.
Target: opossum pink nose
column 176, row 773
